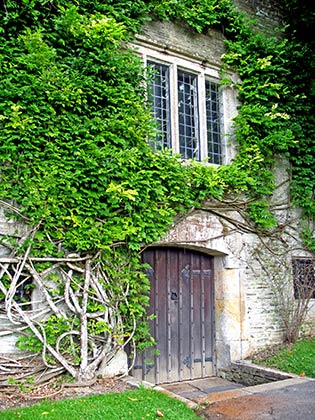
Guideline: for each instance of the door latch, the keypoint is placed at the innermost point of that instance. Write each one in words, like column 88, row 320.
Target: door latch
column 174, row 296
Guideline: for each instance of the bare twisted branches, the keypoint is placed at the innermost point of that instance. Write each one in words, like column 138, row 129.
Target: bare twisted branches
column 76, row 292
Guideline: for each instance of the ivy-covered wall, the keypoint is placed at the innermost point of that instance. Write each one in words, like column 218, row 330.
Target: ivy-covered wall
column 253, row 270
column 77, row 171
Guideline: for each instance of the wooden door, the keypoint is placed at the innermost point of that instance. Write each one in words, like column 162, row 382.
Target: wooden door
column 182, row 301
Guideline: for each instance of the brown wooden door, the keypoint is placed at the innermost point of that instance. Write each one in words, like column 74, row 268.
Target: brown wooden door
column 182, row 300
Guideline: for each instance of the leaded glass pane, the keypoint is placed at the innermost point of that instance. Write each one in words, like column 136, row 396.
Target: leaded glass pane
column 213, row 123
column 188, row 117
column 160, row 99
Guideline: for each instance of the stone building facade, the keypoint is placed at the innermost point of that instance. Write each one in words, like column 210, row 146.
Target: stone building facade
column 252, row 275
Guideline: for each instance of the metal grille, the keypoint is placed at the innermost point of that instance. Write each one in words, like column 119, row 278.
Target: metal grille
column 188, row 115
column 160, row 99
column 303, row 278
column 213, row 123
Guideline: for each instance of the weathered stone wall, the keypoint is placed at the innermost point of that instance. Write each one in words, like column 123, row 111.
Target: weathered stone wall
column 249, row 374
column 247, row 302
column 246, row 314
column 180, row 39
column 247, row 306
column 268, row 13
column 8, row 227
column 7, row 339
column 209, row 47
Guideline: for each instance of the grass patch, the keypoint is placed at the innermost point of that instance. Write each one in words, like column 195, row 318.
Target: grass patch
column 298, row 358
column 140, row 404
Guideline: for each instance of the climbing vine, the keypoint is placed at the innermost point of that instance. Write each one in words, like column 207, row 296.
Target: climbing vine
column 77, row 169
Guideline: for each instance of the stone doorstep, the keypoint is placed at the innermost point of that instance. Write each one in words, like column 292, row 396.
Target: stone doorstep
column 179, row 387
column 200, row 387
column 208, row 384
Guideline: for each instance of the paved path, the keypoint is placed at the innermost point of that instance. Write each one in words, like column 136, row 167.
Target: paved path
column 289, row 399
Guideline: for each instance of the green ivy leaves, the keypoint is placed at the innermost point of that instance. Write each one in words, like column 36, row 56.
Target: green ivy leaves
column 75, row 123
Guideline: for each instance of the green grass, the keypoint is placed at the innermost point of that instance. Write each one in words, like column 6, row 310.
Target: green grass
column 140, row 404
column 298, row 358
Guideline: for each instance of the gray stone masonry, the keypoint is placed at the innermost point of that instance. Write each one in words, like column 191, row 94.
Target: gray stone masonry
column 181, row 39
column 249, row 374
column 268, row 13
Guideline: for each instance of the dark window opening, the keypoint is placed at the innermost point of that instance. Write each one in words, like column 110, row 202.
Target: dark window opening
column 23, row 288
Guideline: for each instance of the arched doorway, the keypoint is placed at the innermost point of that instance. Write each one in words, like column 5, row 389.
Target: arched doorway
column 182, row 296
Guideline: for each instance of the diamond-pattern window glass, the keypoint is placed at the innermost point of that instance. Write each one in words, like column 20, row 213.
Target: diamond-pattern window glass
column 188, row 115
column 160, row 99
column 186, row 105
column 213, row 123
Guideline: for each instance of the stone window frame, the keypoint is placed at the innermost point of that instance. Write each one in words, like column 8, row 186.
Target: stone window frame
column 204, row 72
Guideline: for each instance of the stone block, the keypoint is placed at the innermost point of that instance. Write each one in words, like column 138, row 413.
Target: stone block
column 118, row 365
